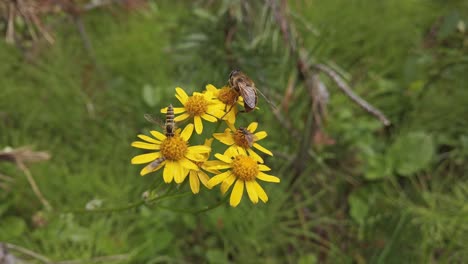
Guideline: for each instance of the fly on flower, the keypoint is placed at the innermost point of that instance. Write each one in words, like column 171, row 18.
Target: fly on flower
column 198, row 106
column 244, row 140
column 171, row 151
column 243, row 171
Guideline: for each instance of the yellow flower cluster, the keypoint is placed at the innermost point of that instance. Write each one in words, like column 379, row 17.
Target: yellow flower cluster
column 173, row 152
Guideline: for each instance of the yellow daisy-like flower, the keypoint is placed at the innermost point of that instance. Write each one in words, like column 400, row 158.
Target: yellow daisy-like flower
column 244, row 171
column 197, row 106
column 244, row 139
column 197, row 176
column 229, row 97
column 173, row 153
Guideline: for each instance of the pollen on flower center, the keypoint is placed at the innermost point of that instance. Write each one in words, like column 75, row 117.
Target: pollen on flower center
column 241, row 138
column 245, row 168
column 174, row 148
column 196, row 105
column 228, row 96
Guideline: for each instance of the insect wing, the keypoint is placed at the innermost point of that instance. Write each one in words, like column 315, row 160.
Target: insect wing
column 250, row 96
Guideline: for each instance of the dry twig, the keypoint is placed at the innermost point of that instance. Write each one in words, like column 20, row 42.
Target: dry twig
column 21, row 157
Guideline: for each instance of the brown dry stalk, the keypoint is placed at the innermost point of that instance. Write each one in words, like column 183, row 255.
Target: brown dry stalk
column 348, row 92
column 20, row 157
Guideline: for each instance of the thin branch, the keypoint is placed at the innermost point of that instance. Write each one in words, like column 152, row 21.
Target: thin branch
column 34, row 186
column 104, row 259
column 354, row 97
column 28, row 253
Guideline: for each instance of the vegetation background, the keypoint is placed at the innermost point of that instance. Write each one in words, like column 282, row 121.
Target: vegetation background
column 76, row 78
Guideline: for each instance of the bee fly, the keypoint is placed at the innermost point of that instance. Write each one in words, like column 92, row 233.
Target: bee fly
column 247, row 135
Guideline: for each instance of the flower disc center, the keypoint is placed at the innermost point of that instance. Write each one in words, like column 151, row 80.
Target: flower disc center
column 243, row 138
column 228, row 96
column 174, row 148
column 245, row 168
column 196, row 105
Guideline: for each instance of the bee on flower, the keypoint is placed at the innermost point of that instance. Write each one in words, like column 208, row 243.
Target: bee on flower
column 243, row 172
column 198, row 106
column 244, row 140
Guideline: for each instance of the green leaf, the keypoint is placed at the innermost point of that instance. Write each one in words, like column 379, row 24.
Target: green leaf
column 149, row 96
column 411, row 153
column 359, row 207
column 13, row 227
column 216, row 256
column 308, row 259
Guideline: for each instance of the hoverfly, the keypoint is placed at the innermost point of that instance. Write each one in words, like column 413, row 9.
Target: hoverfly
column 243, row 85
column 169, row 125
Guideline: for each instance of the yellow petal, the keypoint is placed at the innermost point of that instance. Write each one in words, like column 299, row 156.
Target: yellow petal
column 262, row 167
column 215, row 110
column 203, row 178
column 150, row 168
column 149, row 139
column 231, row 116
column 177, row 110
column 183, row 97
column 268, row 178
column 195, row 156
column 182, row 117
column 223, row 158
column 255, row 156
column 252, row 127
column 187, row 132
column 186, row 163
column 208, row 95
column 208, row 142
column 211, row 88
column 144, row 145
column 214, row 165
column 168, row 173
column 194, row 182
column 231, row 151
column 198, row 124
column 262, row 149
column 241, row 150
column 145, row 158
column 178, row 172
column 260, row 135
column 200, row 149
column 261, row 193
column 231, row 125
column 218, row 179
column 227, row 183
column 158, row 135
column 209, row 118
column 225, row 138
column 250, row 186
column 236, row 194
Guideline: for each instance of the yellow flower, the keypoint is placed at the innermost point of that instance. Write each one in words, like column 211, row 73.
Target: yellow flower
column 243, row 171
column 197, row 176
column 244, row 139
column 229, row 97
column 197, row 106
column 172, row 153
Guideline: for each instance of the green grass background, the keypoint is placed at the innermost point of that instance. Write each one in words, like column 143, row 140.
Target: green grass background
column 373, row 197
